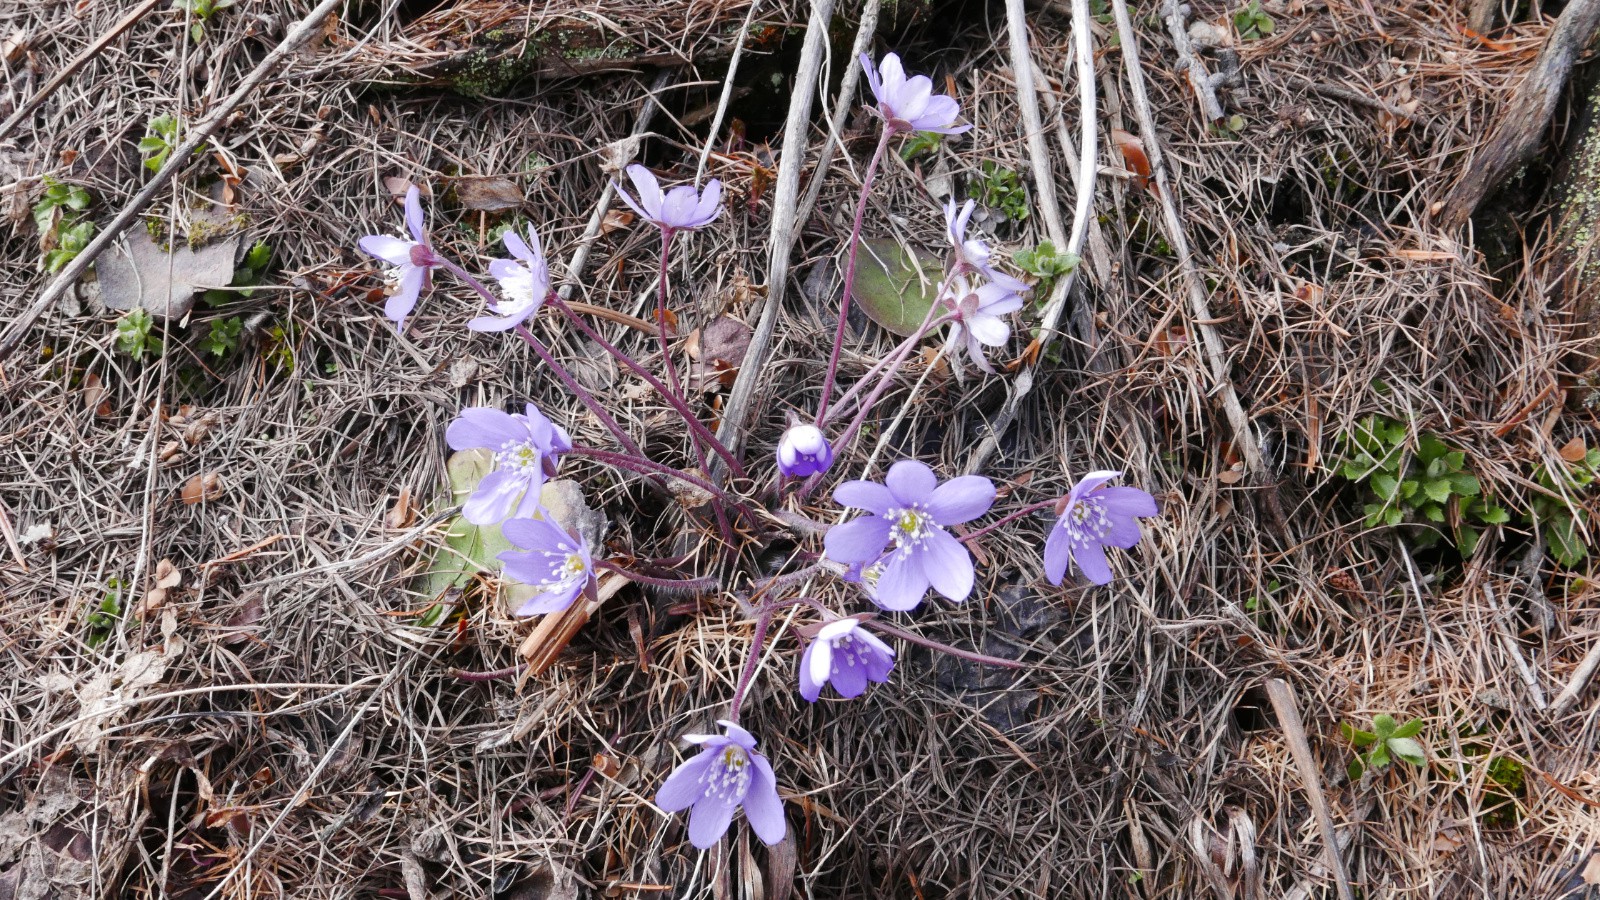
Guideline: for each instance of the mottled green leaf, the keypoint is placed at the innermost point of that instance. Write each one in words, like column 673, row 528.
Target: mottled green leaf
column 895, row 287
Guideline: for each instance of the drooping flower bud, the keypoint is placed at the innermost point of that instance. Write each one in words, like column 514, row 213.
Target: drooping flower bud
column 804, row 452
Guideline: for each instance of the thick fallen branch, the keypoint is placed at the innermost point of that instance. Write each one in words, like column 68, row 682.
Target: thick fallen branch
column 1525, row 114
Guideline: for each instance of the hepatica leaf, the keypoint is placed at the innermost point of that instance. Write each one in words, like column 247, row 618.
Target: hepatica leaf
column 468, row 549
column 894, row 287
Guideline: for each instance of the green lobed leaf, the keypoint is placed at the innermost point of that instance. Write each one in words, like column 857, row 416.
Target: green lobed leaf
column 1383, row 725
column 895, row 287
column 1409, row 729
column 1407, row 749
column 1438, row 490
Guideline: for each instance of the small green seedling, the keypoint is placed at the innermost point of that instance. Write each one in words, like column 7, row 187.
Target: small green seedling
column 919, row 143
column 133, row 334
column 224, row 336
column 1420, row 487
column 1388, row 741
column 202, row 10
column 247, row 276
column 1046, row 264
column 63, row 232
column 1002, row 190
column 106, row 614
column 1564, row 523
column 161, row 136
column 1252, row 22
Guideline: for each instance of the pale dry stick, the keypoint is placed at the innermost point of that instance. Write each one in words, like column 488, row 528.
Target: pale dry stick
column 591, row 230
column 1243, row 438
column 180, row 158
column 11, row 539
column 727, row 92
column 171, row 695
column 1044, row 182
column 1580, row 680
column 785, row 227
column 1203, row 82
column 841, row 107
column 90, row 52
column 1499, row 614
column 1282, row 697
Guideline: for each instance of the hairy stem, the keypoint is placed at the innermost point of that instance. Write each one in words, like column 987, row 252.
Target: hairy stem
column 757, row 640
column 699, row 585
column 892, row 631
column 1007, row 520
column 850, row 269
column 695, row 425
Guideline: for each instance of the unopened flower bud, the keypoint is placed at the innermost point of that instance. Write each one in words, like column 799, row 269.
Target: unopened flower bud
column 804, row 452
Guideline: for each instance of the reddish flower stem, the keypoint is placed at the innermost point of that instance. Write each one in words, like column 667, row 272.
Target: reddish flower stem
column 850, row 270
column 1026, row 510
column 931, row 644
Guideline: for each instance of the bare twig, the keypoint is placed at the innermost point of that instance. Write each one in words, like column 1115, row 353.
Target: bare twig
column 1282, row 697
column 1201, row 81
column 1509, row 642
column 1243, row 438
column 1044, row 182
column 785, row 226
column 180, row 158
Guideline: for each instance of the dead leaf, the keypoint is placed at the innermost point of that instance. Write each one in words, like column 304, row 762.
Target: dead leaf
column 606, row 766
column 202, row 488
column 1133, row 154
column 105, row 698
column 400, row 514
column 94, row 395
column 42, row 533
column 1574, row 451
column 1230, row 476
column 491, row 194
column 1309, row 293
column 616, row 219
column 1591, row 869
column 396, row 186
column 136, row 274
column 718, row 350
column 15, row 43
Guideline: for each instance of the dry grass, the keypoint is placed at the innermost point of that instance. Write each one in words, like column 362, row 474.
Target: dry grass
column 334, row 756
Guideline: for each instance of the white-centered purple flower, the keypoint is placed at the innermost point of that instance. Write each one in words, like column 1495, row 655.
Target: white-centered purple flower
column 523, row 285
column 681, row 209
column 803, row 451
column 911, row 510
column 909, row 104
column 525, row 448
column 846, row 655
column 1094, row 517
column 979, row 311
column 726, row 774
column 552, row 561
column 972, row 256
column 412, row 260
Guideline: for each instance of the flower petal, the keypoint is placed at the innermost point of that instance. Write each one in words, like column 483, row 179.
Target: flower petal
column 644, row 181
column 902, row 584
column 552, row 601
column 391, row 250
column 682, row 788
column 738, row 735
column 708, row 821
column 1091, row 481
column 948, row 565
column 1056, row 555
column 483, row 426
column 403, row 301
column 1128, row 501
column 517, row 247
column 1091, row 560
column 858, row 540
column 868, row 495
column 989, row 330
column 880, row 656
column 810, row 687
column 414, row 223
column 710, row 203
column 818, row 664
column 910, row 481
column 484, row 324
column 492, row 499
column 763, row 808
column 851, row 679
column 961, row 499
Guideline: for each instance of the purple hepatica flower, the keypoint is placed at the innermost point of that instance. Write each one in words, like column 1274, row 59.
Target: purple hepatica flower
column 727, row 773
column 1095, row 517
column 522, row 287
column 681, row 209
column 847, row 655
column 803, row 452
column 525, row 451
column 909, row 104
column 972, row 256
column 412, row 261
column 979, row 315
column 912, row 509
column 554, row 562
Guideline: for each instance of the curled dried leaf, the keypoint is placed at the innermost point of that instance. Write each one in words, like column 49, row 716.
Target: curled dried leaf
column 202, row 488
